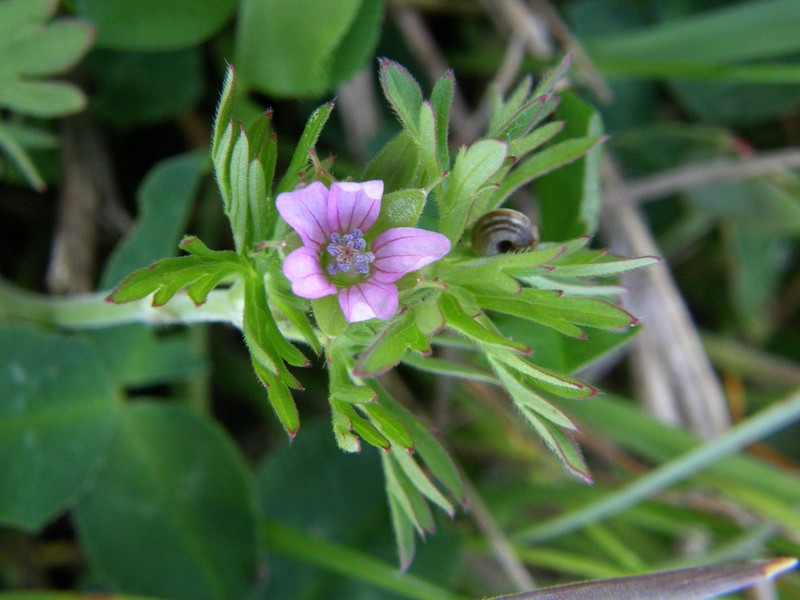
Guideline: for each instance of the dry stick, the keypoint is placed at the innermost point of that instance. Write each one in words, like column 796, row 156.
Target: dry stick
column 423, row 46
column 593, row 79
column 514, row 17
column 358, row 110
column 669, row 347
column 684, row 178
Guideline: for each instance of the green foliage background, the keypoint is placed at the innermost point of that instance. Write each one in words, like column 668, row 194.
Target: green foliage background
column 146, row 462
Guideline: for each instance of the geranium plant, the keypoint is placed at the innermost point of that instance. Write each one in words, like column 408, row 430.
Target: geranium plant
column 342, row 268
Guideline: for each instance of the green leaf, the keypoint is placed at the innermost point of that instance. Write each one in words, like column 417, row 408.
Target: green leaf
column 390, row 346
column 363, row 428
column 419, row 479
column 475, row 328
column 45, row 99
column 10, row 146
column 399, row 209
column 306, row 143
column 44, row 50
column 388, row 425
column 441, row 99
column 404, row 95
column 408, row 498
column 560, row 443
column 745, row 31
column 29, row 48
column 222, row 116
column 538, row 137
column 524, row 397
column 164, row 199
column 174, row 491
column 427, row 144
column 131, row 89
column 548, row 379
column 58, row 411
column 549, row 159
column 473, row 169
column 603, row 265
column 337, row 39
column 426, row 446
column 397, row 165
column 569, row 197
column 153, row 25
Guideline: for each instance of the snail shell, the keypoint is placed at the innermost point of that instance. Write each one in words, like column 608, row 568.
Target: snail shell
column 503, row 230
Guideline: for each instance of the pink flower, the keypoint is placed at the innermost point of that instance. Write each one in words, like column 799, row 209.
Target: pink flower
column 336, row 259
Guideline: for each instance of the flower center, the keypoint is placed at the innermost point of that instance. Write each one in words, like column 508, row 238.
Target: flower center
column 349, row 253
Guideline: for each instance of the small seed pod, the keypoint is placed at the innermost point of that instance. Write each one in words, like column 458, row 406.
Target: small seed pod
column 503, row 230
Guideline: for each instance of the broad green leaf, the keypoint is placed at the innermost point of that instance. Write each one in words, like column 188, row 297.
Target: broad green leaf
column 404, row 95
column 58, row 411
column 337, row 39
column 172, row 512
column 44, row 50
column 134, row 88
column 399, row 209
column 473, row 169
column 45, row 99
column 16, row 13
column 137, row 356
column 569, row 197
column 164, row 199
column 153, row 25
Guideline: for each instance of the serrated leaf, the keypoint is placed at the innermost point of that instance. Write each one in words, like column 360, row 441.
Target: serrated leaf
column 605, row 268
column 427, row 144
column 427, row 447
column 361, row 426
column 420, row 480
column 222, row 116
column 388, row 425
column 280, row 398
column 473, row 168
column 390, row 347
column 538, row 137
column 409, row 499
column 308, row 140
column 557, row 383
column 524, row 397
column 560, row 443
column 403, row 93
column 547, row 160
column 441, row 99
column 474, row 328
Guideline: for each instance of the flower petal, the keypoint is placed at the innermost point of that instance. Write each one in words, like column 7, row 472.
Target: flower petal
column 404, row 249
column 305, row 209
column 354, row 205
column 303, row 269
column 368, row 299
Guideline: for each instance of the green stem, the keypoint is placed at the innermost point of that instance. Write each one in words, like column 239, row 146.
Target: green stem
column 89, row 311
column 752, row 429
column 288, row 541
